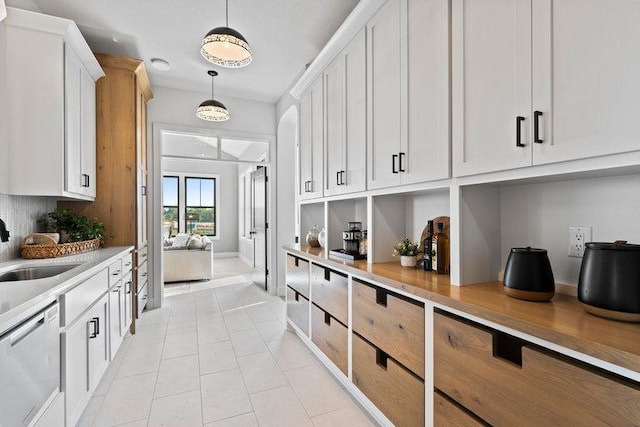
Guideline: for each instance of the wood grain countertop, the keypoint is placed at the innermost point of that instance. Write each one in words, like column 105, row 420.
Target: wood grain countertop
column 562, row 321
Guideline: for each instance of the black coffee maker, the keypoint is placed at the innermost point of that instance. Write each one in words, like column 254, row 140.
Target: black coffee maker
column 351, row 238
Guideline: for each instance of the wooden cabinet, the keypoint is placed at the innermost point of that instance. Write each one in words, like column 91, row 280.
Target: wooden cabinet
column 330, row 290
column 311, row 127
column 331, row 337
column 298, row 274
column 298, row 310
column 408, row 77
column 534, row 87
column 447, row 413
column 85, row 356
column 397, row 392
column 393, row 323
column 121, row 201
column 48, row 64
column 507, row 381
column 298, row 292
column 346, row 119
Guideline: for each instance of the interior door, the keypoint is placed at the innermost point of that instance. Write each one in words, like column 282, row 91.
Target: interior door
column 259, row 226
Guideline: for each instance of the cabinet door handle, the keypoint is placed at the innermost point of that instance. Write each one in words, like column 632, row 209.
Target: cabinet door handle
column 342, row 178
column 310, row 186
column 337, row 178
column 519, row 121
column 536, row 127
column 144, row 190
column 95, row 327
column 85, row 180
column 400, row 168
column 393, row 163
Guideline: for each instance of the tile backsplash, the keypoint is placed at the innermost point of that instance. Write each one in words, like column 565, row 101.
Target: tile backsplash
column 20, row 214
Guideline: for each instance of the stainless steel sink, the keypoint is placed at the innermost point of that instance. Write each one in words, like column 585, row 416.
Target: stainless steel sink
column 35, row 272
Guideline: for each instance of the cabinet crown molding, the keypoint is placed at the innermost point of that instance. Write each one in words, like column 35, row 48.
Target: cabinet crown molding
column 130, row 64
column 65, row 28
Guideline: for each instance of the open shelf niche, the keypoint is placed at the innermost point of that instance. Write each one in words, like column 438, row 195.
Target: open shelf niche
column 311, row 214
column 396, row 216
column 537, row 212
column 339, row 213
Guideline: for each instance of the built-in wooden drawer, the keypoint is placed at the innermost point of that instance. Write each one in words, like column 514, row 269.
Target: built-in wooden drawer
column 447, row 413
column 507, row 381
column 330, row 291
column 330, row 336
column 298, row 274
column 127, row 263
column 393, row 323
column 115, row 272
column 298, row 310
column 81, row 297
column 398, row 393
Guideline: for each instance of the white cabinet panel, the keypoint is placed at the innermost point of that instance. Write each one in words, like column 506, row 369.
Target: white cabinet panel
column 346, row 119
column 311, row 142
column 585, row 78
column 385, row 74
column 98, row 341
column 73, row 127
column 491, row 88
column 88, row 133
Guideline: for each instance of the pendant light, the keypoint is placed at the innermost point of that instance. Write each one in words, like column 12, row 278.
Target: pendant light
column 212, row 110
column 226, row 47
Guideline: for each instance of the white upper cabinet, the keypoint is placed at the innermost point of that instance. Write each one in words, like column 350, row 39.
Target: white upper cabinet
column 546, row 81
column 50, row 101
column 586, row 83
column 408, row 81
column 311, row 142
column 346, row 119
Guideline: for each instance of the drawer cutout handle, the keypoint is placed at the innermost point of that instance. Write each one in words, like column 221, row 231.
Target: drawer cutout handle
column 296, row 261
column 327, row 274
column 381, row 297
column 508, row 348
column 327, row 318
column 381, row 358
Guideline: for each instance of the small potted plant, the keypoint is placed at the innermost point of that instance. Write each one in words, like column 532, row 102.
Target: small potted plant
column 407, row 250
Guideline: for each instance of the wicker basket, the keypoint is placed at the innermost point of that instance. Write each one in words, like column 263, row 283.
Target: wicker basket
column 53, row 250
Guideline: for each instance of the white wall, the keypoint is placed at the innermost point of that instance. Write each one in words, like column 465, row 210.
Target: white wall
column 227, row 188
column 179, row 107
column 23, row 4
column 539, row 215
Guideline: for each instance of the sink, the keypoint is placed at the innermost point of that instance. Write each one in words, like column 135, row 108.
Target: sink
column 35, row 272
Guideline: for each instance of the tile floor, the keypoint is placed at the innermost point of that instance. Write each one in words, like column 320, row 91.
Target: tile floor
column 219, row 357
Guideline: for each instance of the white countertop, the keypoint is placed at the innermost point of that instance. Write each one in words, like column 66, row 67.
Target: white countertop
column 21, row 299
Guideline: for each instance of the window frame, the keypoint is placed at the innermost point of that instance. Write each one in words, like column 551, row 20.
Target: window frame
column 215, row 200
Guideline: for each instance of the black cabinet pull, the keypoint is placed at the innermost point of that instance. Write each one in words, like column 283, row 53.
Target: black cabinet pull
column 400, row 168
column 337, row 178
column 143, row 190
column 519, row 121
column 95, row 324
column 85, row 180
column 393, row 163
column 342, row 178
column 310, row 187
column 536, row 127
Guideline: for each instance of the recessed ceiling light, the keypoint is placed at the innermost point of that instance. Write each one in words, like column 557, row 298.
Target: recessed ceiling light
column 160, row 64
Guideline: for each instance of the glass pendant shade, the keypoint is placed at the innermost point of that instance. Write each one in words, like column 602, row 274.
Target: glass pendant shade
column 225, row 46
column 212, row 110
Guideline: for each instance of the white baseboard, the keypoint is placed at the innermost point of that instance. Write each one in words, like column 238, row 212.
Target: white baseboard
column 245, row 259
column 225, row 254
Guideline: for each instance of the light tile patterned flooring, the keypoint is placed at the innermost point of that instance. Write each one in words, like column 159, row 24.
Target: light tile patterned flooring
column 219, row 357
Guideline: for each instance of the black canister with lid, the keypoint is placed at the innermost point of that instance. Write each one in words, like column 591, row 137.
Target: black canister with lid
column 609, row 281
column 528, row 275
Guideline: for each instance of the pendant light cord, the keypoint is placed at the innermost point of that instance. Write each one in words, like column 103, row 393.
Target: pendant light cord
column 212, row 97
column 227, row 12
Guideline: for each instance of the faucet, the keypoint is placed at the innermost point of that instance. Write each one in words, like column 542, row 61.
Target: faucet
column 4, row 234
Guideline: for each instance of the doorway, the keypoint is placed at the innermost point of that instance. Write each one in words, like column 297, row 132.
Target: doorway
column 205, row 153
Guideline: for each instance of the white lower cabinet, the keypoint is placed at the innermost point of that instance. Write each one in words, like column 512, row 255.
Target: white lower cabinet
column 85, row 357
column 54, row 415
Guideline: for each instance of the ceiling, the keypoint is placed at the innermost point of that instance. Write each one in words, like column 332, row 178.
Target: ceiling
column 284, row 35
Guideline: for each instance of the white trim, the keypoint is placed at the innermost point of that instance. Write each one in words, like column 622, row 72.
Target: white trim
column 226, row 255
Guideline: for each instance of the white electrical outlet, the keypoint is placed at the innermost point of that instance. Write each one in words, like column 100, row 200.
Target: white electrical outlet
column 578, row 236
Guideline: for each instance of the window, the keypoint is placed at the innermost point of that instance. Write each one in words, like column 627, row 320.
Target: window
column 200, row 205
column 170, row 195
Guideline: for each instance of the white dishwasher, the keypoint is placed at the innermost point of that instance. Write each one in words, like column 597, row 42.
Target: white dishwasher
column 29, row 367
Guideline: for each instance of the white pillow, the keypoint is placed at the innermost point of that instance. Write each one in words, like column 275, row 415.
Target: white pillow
column 195, row 243
column 208, row 243
column 181, row 239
